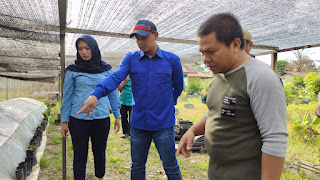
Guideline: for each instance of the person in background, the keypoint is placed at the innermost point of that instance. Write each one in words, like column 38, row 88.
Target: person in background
column 248, row 44
column 246, row 130
column 80, row 80
column 126, row 105
column 157, row 82
column 318, row 107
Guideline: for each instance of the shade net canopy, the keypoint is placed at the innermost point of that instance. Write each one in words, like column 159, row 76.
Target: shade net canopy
column 29, row 29
column 19, row 119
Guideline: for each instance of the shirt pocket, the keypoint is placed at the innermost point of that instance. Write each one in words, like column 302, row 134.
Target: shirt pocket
column 138, row 74
column 164, row 74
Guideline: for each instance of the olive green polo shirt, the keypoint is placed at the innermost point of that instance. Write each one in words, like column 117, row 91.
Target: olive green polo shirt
column 247, row 116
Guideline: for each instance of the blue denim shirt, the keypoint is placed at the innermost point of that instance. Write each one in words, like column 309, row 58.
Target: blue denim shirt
column 156, row 85
column 77, row 88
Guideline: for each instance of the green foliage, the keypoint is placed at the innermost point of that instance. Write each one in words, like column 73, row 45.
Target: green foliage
column 194, row 87
column 281, row 66
column 312, row 83
column 47, row 112
column 289, row 89
column 301, row 90
column 292, row 93
column 294, row 86
column 52, row 119
column 304, row 126
column 56, row 139
column 298, row 81
column 44, row 162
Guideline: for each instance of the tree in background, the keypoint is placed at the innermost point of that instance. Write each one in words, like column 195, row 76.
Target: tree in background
column 302, row 62
column 281, row 66
column 194, row 87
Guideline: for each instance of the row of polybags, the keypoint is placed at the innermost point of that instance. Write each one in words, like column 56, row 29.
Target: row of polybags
column 19, row 119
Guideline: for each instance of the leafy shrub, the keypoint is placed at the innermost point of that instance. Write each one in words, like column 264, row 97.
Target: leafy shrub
column 194, row 87
column 300, row 90
column 298, row 81
column 312, row 85
column 304, row 127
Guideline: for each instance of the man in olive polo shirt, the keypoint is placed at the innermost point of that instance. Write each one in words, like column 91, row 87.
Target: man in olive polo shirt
column 245, row 133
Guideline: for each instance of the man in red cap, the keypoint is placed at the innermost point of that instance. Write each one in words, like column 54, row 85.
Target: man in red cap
column 157, row 82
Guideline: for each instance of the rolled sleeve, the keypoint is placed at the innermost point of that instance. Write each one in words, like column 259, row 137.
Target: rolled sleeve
column 268, row 103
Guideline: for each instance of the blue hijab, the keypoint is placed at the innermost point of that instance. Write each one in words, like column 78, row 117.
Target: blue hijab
column 95, row 64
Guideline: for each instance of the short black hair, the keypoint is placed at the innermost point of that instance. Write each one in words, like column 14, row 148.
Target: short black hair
column 225, row 25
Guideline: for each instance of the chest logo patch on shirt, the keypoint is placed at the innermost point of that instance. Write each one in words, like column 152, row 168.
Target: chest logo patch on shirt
column 229, row 100
column 228, row 112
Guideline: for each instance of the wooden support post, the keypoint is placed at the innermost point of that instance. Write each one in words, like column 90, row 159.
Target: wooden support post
column 7, row 89
column 274, row 59
column 64, row 159
column 14, row 88
column 63, row 19
column 64, row 144
column 19, row 88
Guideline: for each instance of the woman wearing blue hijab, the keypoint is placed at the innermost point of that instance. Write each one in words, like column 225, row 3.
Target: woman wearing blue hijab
column 80, row 81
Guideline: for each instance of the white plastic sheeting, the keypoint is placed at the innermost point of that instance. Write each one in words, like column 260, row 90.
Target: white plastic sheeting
column 280, row 23
column 19, row 119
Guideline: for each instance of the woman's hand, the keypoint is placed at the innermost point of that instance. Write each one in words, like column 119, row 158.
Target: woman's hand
column 116, row 124
column 64, row 129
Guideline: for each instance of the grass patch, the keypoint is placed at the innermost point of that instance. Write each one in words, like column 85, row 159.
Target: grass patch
column 52, row 119
column 195, row 114
column 201, row 166
column 55, row 139
column 294, row 176
column 299, row 149
column 44, row 162
column 115, row 160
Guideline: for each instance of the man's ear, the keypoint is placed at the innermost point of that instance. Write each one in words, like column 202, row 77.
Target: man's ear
column 236, row 43
column 250, row 45
column 156, row 35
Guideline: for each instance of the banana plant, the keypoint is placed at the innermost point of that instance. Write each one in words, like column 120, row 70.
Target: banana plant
column 304, row 126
